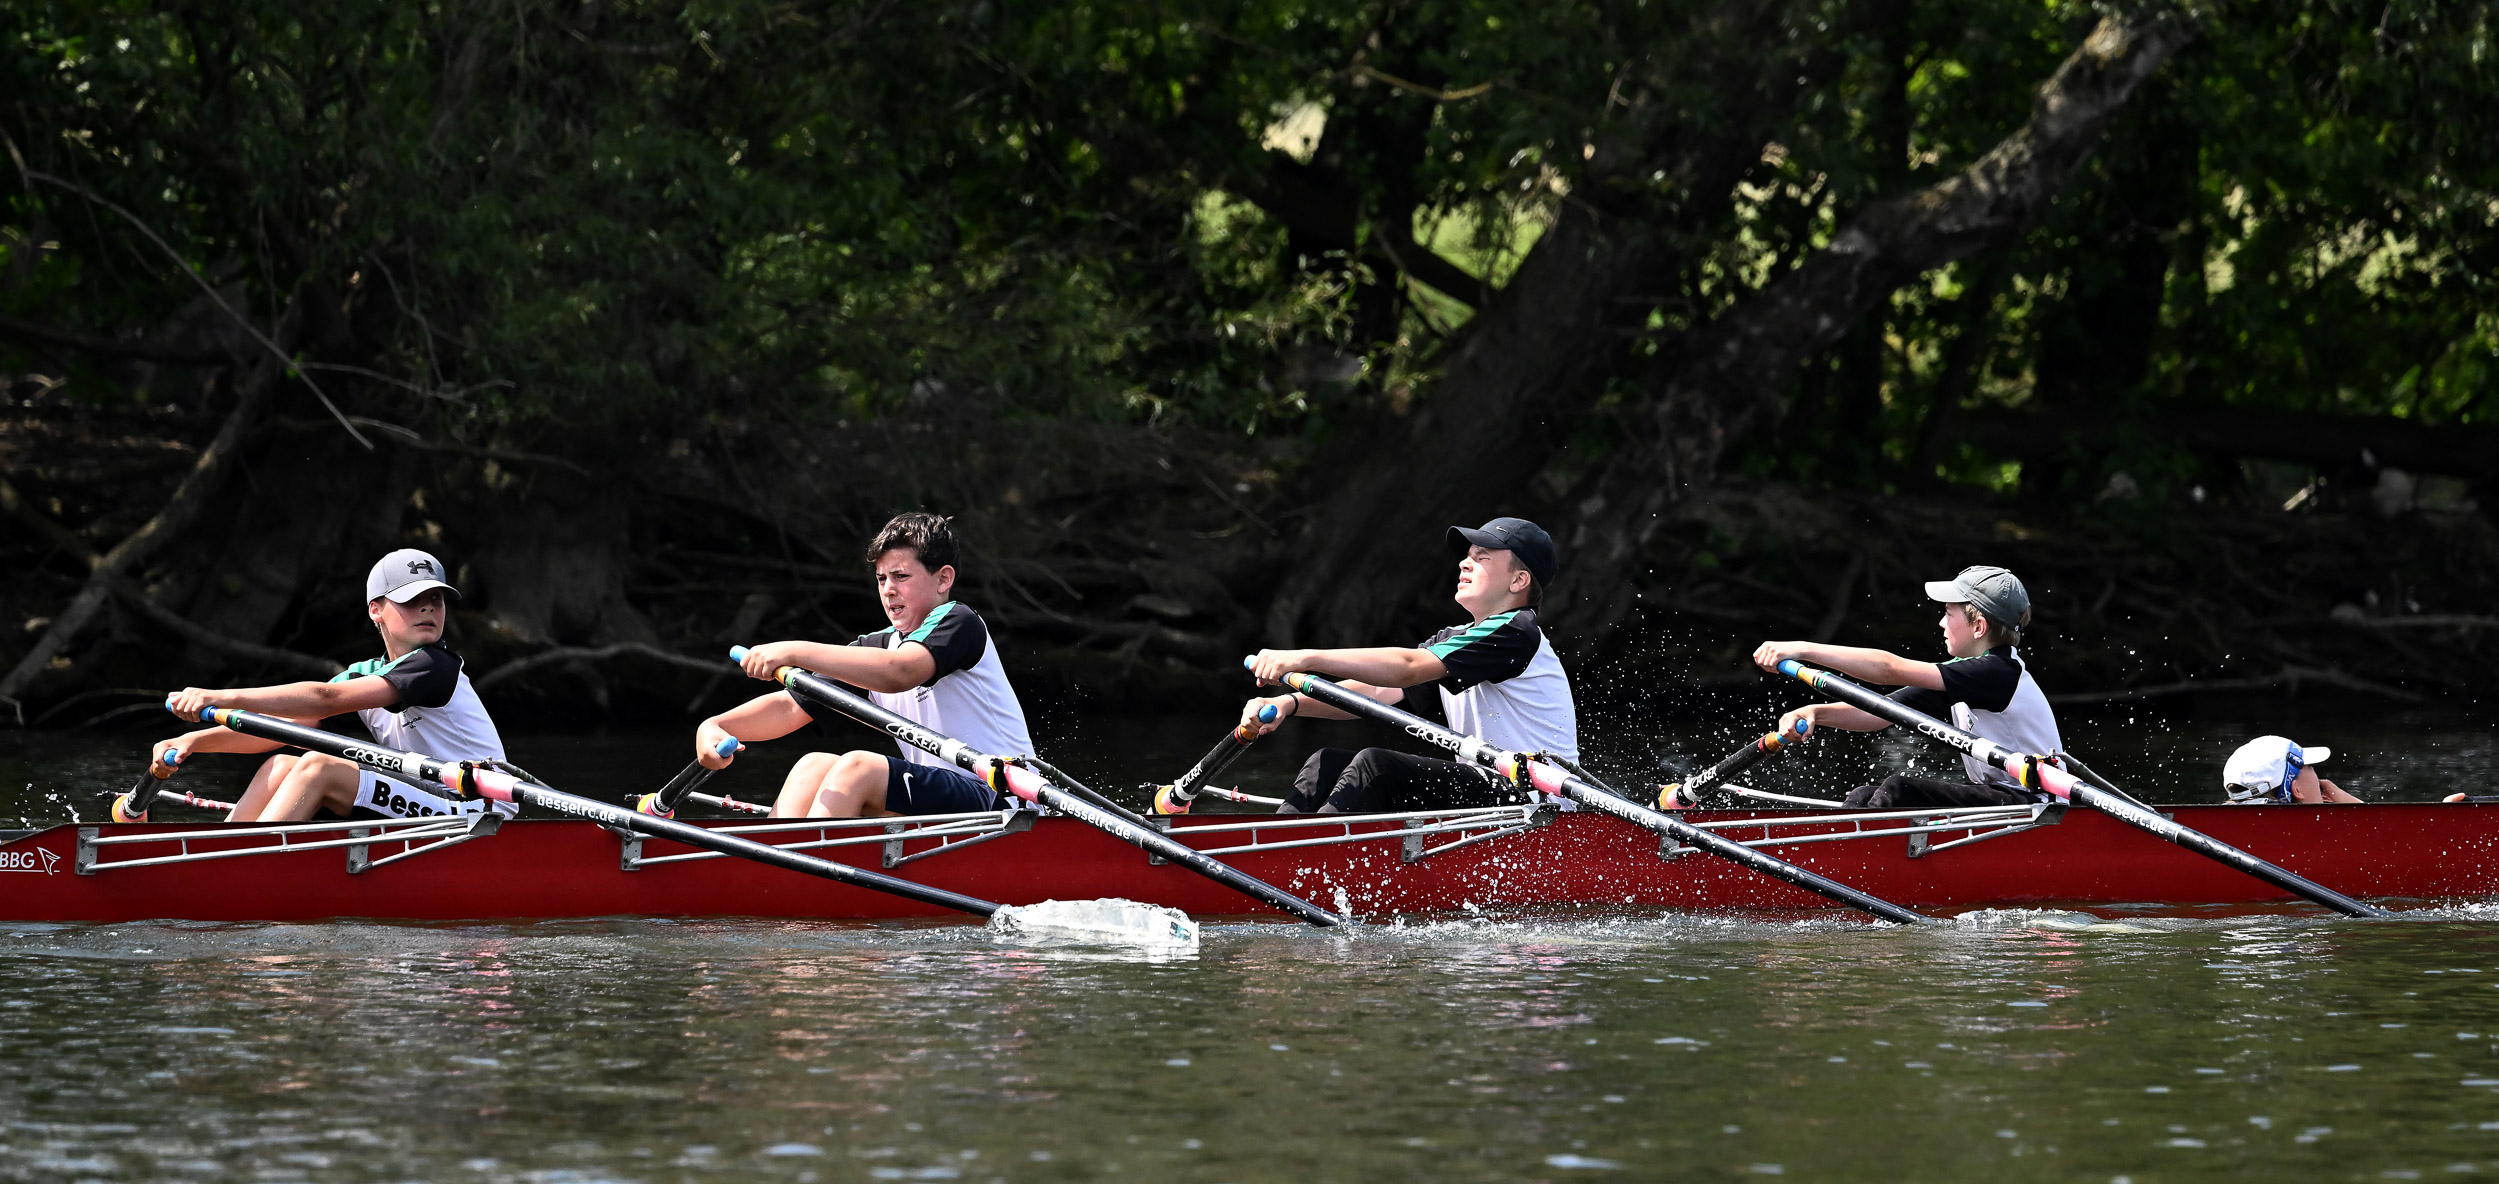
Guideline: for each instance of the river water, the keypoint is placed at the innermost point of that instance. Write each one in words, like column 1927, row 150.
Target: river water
column 1559, row 1045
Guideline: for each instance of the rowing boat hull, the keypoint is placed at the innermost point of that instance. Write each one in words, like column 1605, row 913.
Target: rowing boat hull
column 564, row 868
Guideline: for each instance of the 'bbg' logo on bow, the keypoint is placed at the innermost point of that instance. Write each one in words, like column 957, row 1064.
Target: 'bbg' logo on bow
column 421, row 565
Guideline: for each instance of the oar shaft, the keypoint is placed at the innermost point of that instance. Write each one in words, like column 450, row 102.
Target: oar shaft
column 665, row 802
column 1008, row 777
column 1736, row 762
column 1552, row 780
column 2023, row 767
column 470, row 782
column 1175, row 798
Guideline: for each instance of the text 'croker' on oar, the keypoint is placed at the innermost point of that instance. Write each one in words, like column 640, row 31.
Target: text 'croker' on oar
column 1176, row 797
column 468, row 781
column 1703, row 787
column 2034, row 772
column 1551, row 780
column 1008, row 777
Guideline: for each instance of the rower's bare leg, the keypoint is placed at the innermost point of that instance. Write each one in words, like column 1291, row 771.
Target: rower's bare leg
column 264, row 783
column 316, row 781
column 855, row 788
column 798, row 790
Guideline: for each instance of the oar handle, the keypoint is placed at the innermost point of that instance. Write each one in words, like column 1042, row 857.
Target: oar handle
column 1702, row 787
column 134, row 805
column 664, row 803
column 1176, row 797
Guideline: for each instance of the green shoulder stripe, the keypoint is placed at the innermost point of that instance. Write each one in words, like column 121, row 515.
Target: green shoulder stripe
column 369, row 666
column 1473, row 633
column 930, row 625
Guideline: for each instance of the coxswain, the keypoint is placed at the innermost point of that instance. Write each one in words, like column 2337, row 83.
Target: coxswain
column 1496, row 679
column 2272, row 769
column 934, row 665
column 414, row 698
column 1983, row 688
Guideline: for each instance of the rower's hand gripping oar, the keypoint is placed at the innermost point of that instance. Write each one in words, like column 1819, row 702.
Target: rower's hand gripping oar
column 2033, row 773
column 1703, row 788
column 468, row 780
column 664, row 803
column 1176, row 797
column 1007, row 777
column 133, row 806
column 1553, row 781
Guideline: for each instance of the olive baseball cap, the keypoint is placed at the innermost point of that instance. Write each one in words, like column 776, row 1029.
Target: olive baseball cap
column 1994, row 590
column 1517, row 536
column 405, row 574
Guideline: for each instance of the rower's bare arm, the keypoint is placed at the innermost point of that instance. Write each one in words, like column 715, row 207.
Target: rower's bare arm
column 1831, row 715
column 313, row 701
column 873, row 668
column 1291, row 706
column 764, row 717
column 1875, row 666
column 205, row 740
column 1383, row 666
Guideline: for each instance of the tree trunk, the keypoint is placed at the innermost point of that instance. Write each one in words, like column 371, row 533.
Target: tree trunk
column 1742, row 361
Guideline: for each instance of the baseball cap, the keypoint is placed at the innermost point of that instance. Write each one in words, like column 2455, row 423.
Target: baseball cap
column 405, row 574
column 1517, row 536
column 2263, row 769
column 1994, row 590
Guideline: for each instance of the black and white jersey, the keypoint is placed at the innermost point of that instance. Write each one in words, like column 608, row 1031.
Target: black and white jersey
column 1992, row 695
column 1505, row 685
column 438, row 712
column 967, row 697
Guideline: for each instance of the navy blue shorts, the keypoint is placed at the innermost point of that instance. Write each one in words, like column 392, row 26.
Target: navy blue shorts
column 932, row 789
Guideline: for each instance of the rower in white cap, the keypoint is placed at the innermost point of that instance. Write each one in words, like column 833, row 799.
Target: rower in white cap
column 2272, row 769
column 415, row 697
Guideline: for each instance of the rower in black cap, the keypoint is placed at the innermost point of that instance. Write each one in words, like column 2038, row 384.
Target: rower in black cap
column 1497, row 676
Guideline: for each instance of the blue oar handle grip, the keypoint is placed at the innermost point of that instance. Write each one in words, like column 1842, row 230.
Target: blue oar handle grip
column 728, row 747
column 1803, row 726
column 1268, row 713
column 1790, row 666
column 737, row 653
column 1248, row 660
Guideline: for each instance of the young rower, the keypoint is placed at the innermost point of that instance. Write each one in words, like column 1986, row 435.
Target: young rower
column 1983, row 688
column 1497, row 678
column 414, row 698
column 935, row 665
column 2272, row 769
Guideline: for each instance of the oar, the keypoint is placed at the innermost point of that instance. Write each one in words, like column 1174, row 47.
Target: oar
column 2032, row 772
column 144, row 793
column 1008, row 777
column 664, row 803
column 1556, row 782
column 467, row 780
column 1175, row 797
column 1691, row 791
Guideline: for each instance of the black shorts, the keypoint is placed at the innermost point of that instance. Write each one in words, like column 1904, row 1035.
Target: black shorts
column 1902, row 790
column 1382, row 781
column 933, row 789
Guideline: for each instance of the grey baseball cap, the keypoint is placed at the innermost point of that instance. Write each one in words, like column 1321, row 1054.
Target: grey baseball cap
column 1993, row 589
column 405, row 574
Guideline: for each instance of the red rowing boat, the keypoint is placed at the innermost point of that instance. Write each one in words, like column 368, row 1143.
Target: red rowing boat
column 460, row 869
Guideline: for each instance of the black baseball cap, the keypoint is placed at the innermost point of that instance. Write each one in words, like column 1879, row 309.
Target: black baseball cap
column 1517, row 536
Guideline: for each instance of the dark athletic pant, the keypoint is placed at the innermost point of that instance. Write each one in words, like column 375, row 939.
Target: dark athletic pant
column 1379, row 781
column 1901, row 789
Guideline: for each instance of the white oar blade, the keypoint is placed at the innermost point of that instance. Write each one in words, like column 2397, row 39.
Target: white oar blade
column 1097, row 922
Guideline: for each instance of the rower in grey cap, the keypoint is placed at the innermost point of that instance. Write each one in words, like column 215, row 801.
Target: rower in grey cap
column 1496, row 679
column 1983, row 688
column 414, row 698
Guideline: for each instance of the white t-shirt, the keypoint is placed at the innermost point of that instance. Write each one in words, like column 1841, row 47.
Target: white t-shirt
column 438, row 712
column 1505, row 686
column 967, row 697
column 1992, row 696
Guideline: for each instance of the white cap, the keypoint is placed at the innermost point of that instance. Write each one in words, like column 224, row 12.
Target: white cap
column 2263, row 769
column 405, row 574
